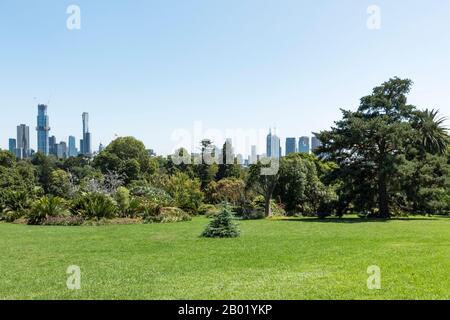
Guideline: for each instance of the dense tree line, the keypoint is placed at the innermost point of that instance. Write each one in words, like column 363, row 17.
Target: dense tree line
column 386, row 158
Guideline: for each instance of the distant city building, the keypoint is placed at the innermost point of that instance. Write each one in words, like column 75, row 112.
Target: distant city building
column 42, row 129
column 303, row 145
column 61, row 150
column 228, row 151
column 23, row 142
column 101, row 147
column 52, row 145
column 12, row 145
column 151, row 152
column 315, row 143
column 291, row 145
column 254, row 155
column 72, row 151
column 273, row 146
column 240, row 159
column 86, row 142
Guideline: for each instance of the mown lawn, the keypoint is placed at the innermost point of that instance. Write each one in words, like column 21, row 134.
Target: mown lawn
column 288, row 259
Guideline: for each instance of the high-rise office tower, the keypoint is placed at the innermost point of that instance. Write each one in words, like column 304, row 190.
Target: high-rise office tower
column 228, row 152
column 303, row 144
column 86, row 148
column 52, row 145
column 81, row 146
column 72, row 152
column 23, row 142
column 291, row 145
column 315, row 143
column 42, row 129
column 254, row 156
column 61, row 150
column 273, row 146
column 12, row 145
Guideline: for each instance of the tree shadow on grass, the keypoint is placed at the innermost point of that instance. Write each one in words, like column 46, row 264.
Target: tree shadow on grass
column 360, row 220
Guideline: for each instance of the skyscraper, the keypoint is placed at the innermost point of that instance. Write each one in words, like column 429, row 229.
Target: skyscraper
column 72, row 152
column 61, row 150
column 12, row 144
column 86, row 148
column 315, row 143
column 23, row 142
column 303, row 144
column 273, row 146
column 42, row 129
column 254, row 156
column 291, row 145
column 52, row 145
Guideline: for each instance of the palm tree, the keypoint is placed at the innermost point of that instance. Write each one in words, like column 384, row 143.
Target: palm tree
column 433, row 136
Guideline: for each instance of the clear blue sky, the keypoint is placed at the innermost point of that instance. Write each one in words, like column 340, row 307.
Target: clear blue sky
column 146, row 68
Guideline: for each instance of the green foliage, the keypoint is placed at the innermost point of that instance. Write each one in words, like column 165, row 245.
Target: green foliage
column 128, row 157
column 222, row 225
column 46, row 207
column 185, row 191
column 123, row 200
column 167, row 215
column 94, row 205
column 7, row 159
column 258, row 206
column 60, row 184
column 44, row 167
column 263, row 184
column 231, row 190
column 208, row 210
column 371, row 144
column 13, row 204
column 153, row 194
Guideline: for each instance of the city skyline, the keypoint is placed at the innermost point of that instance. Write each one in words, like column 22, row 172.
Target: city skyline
column 146, row 69
column 21, row 146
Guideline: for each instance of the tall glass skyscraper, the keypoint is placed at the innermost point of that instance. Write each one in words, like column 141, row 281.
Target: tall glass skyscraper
column 52, row 145
column 23, row 142
column 42, row 129
column 73, row 152
column 303, row 144
column 291, row 145
column 273, row 146
column 12, row 145
column 86, row 147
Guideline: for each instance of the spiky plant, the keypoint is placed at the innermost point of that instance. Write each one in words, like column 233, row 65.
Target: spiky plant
column 433, row 134
column 46, row 207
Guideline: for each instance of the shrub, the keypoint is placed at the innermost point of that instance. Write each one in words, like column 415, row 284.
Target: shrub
column 167, row 215
column 222, row 226
column 258, row 204
column 60, row 184
column 94, row 205
column 229, row 190
column 123, row 201
column 208, row 210
column 185, row 191
column 153, row 194
column 13, row 204
column 46, row 207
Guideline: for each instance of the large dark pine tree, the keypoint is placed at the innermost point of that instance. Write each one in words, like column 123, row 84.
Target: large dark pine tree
column 369, row 143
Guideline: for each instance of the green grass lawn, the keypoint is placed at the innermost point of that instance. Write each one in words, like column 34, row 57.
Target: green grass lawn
column 286, row 259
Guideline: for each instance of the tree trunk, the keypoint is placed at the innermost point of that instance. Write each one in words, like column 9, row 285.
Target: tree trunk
column 383, row 198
